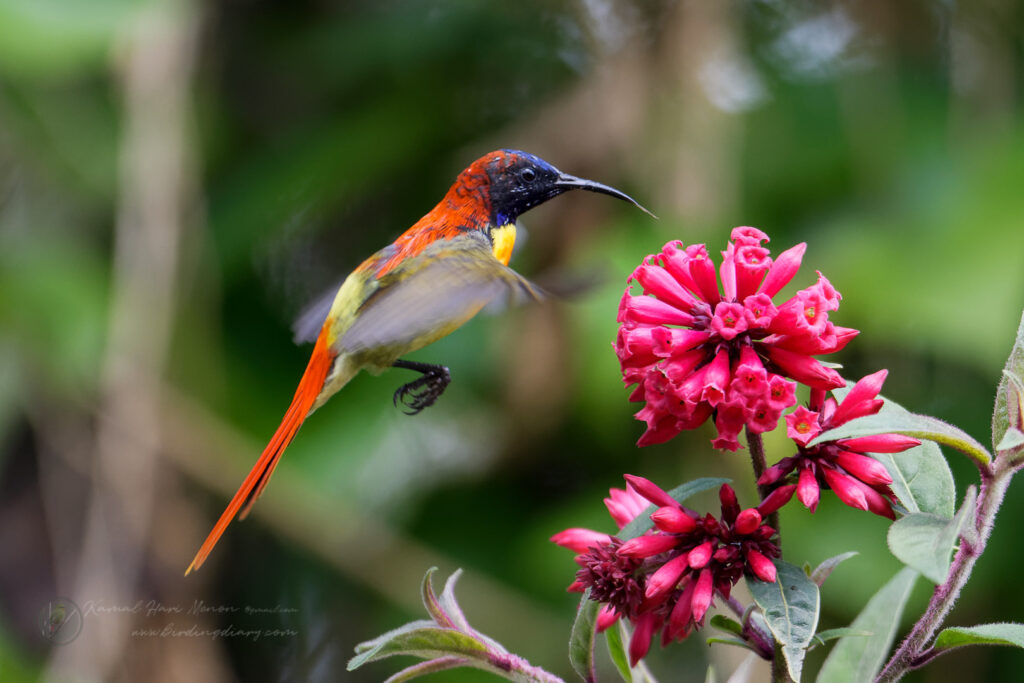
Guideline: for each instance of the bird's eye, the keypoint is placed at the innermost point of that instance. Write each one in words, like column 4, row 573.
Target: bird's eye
column 528, row 174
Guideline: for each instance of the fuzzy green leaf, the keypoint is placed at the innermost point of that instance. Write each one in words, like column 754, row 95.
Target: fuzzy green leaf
column 790, row 605
column 984, row 634
column 680, row 493
column 613, row 637
column 824, row 570
column 724, row 623
column 581, row 641
column 822, row 637
column 738, row 642
column 1009, row 408
column 925, row 541
column 857, row 658
column 423, row 642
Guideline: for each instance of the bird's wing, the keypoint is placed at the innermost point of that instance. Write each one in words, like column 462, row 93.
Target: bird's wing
column 431, row 294
column 307, row 326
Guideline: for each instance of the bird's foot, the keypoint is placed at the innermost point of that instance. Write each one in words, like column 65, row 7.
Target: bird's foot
column 423, row 392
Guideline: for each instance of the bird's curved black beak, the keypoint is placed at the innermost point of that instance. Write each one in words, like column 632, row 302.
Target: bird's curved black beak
column 567, row 182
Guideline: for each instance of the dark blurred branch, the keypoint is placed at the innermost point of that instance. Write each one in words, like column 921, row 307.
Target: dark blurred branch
column 156, row 193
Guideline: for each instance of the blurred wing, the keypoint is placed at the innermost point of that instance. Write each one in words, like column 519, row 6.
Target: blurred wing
column 307, row 326
column 433, row 294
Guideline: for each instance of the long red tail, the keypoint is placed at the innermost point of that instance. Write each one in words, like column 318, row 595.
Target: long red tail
column 305, row 396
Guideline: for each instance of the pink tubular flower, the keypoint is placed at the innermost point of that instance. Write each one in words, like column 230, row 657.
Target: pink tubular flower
column 696, row 350
column 858, row 480
column 666, row 580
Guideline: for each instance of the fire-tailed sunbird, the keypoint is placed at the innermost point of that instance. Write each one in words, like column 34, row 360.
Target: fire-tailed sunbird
column 437, row 275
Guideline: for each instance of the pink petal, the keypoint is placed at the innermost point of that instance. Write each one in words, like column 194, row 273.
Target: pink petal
column 716, row 379
column 746, row 235
column 776, row 499
column 802, row 425
column 747, row 521
column 865, row 390
column 702, row 594
column 868, row 470
column 606, row 618
column 807, row 489
column 783, row 269
column 701, row 555
column 651, row 491
column 848, row 489
column 657, row 281
column 761, row 566
column 679, row 620
column 728, row 272
column 648, row 545
column 640, row 643
column 729, row 320
column 647, row 309
column 666, row 577
column 759, row 310
column 702, row 270
column 580, row 540
column 676, row 261
column 671, row 519
column 730, row 507
column 880, row 443
column 805, row 369
column 752, row 262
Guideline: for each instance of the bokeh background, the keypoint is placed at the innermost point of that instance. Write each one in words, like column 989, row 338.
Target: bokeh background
column 178, row 179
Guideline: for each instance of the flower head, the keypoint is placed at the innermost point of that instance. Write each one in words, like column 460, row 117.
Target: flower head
column 858, row 480
column 698, row 348
column 666, row 579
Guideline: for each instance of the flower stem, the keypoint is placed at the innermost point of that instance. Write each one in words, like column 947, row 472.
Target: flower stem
column 914, row 651
column 760, row 463
column 520, row 669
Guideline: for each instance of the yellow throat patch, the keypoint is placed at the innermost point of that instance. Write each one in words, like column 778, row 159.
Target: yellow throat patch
column 503, row 238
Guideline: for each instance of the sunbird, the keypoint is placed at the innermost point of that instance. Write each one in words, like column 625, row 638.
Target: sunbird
column 436, row 276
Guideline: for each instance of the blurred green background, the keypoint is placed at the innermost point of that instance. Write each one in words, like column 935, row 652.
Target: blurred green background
column 177, row 180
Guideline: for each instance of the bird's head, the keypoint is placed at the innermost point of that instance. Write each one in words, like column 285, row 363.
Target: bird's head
column 514, row 182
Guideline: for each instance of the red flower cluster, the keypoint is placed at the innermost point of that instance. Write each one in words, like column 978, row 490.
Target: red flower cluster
column 859, row 480
column 666, row 579
column 697, row 351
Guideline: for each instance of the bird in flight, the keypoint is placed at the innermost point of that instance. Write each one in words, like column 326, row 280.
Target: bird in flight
column 436, row 276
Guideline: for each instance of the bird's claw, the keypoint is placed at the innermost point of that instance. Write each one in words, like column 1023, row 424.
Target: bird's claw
column 423, row 392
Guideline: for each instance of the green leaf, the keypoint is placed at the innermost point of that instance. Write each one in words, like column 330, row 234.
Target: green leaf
column 984, row 634
column 824, row 570
column 1012, row 439
column 738, row 642
column 724, row 623
column 616, row 638
column 680, row 493
column 821, row 637
column 790, row 605
column 1010, row 392
column 856, row 658
column 925, row 541
column 423, row 642
column 910, row 424
column 921, row 477
column 581, row 641
column 430, row 601
column 613, row 637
